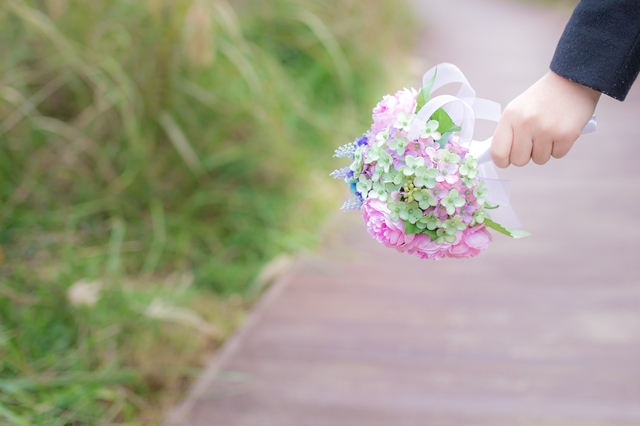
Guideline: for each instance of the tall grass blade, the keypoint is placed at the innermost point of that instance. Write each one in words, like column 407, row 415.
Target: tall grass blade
column 229, row 21
column 115, row 245
column 159, row 237
column 29, row 105
column 79, row 142
column 180, row 143
column 12, row 418
column 45, row 25
column 242, row 63
column 329, row 42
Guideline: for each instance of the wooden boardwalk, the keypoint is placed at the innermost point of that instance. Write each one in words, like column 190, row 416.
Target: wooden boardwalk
column 543, row 331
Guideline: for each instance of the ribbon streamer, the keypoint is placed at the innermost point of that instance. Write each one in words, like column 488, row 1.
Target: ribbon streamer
column 464, row 109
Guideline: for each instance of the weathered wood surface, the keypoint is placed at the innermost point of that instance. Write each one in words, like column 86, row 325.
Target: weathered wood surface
column 540, row 331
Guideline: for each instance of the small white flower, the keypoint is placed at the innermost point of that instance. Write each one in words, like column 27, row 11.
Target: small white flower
column 404, row 121
column 84, row 292
column 431, row 130
column 164, row 311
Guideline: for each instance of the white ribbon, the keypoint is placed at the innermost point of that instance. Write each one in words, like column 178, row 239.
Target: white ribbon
column 466, row 120
column 464, row 109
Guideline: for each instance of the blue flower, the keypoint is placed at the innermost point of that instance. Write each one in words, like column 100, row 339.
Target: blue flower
column 362, row 141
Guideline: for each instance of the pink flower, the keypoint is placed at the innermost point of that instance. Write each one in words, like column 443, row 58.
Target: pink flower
column 387, row 110
column 382, row 228
column 448, row 172
column 473, row 241
column 455, row 148
column 417, row 149
column 432, row 153
column 469, row 243
column 424, row 248
column 440, row 212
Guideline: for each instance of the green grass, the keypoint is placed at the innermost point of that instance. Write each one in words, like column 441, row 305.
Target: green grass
column 165, row 150
column 565, row 6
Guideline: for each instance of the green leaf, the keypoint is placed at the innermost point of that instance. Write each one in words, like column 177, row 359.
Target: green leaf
column 513, row 233
column 425, row 93
column 446, row 124
column 489, row 206
column 518, row 233
column 491, row 224
column 421, row 100
column 444, row 139
column 410, row 228
column 432, row 234
column 427, row 87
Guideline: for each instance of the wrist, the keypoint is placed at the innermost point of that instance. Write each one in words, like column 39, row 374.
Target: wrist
column 574, row 89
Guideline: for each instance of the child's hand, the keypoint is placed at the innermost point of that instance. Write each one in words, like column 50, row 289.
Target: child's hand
column 543, row 121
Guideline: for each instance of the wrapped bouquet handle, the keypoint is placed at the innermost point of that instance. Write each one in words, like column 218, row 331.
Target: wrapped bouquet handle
column 422, row 183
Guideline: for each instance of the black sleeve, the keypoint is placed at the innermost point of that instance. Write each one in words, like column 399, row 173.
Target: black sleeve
column 600, row 47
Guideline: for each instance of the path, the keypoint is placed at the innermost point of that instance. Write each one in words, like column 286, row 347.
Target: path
column 541, row 331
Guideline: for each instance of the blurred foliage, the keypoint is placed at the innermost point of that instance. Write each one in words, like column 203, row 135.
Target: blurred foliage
column 563, row 5
column 164, row 150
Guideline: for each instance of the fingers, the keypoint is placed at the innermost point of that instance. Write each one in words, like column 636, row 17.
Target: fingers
column 542, row 149
column 517, row 140
column 562, row 145
column 501, row 144
column 517, row 149
column 521, row 149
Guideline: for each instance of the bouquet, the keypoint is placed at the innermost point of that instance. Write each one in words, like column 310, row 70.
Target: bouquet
column 416, row 175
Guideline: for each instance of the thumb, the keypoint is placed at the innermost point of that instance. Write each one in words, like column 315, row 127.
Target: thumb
column 501, row 144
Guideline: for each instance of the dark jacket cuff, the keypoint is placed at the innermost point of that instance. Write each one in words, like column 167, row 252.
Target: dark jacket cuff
column 600, row 46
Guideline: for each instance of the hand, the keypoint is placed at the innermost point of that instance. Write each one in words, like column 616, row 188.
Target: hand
column 543, row 121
